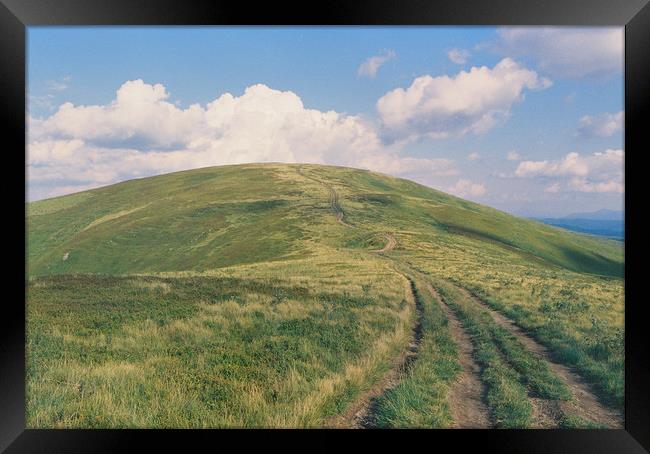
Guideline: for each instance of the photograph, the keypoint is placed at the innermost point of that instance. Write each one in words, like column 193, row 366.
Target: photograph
column 335, row 227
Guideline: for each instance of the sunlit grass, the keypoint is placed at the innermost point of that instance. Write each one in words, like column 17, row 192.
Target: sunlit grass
column 420, row 398
column 232, row 297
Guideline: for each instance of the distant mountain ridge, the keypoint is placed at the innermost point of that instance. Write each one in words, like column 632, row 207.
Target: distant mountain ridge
column 599, row 215
column 607, row 223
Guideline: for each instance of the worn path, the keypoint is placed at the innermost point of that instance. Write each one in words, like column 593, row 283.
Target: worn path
column 584, row 403
column 467, row 394
column 361, row 414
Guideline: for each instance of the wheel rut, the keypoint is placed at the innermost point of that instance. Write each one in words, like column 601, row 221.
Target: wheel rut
column 336, row 206
column 333, row 199
column 362, row 413
column 584, row 403
column 466, row 397
column 391, row 243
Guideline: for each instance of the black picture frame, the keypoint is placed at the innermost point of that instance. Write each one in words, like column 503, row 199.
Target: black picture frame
column 16, row 15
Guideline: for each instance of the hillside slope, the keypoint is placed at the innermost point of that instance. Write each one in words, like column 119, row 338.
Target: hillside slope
column 273, row 295
column 222, row 216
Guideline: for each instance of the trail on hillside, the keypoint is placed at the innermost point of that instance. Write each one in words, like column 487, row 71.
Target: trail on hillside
column 333, row 199
column 467, row 394
column 366, row 418
column 391, row 243
column 336, row 207
column 362, row 413
column 584, row 403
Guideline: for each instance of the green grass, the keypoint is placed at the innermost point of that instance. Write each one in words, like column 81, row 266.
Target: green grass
column 507, row 396
column 420, row 398
column 575, row 422
column 597, row 354
column 215, row 217
column 231, row 296
column 197, row 352
column 532, row 369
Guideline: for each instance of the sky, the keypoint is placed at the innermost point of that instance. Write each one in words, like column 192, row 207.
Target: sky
column 526, row 120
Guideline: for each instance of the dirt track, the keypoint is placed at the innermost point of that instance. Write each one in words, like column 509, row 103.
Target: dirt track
column 466, row 396
column 584, row 403
column 333, row 200
column 391, row 242
column 336, row 207
column 360, row 415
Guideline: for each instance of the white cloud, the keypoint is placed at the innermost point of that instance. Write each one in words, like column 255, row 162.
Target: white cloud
column 141, row 133
column 465, row 188
column 603, row 125
column 61, row 190
column 458, row 56
column 599, row 172
column 370, row 67
column 42, row 101
column 472, row 101
column 473, row 156
column 139, row 114
column 573, row 165
column 513, row 156
column 566, row 51
column 58, row 85
column 553, row 188
column 582, row 185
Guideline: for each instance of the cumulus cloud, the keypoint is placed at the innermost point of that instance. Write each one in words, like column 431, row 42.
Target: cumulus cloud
column 142, row 133
column 513, row 156
column 472, row 101
column 467, row 188
column 473, row 156
column 603, row 125
column 418, row 168
column 599, row 172
column 458, row 56
column 371, row 65
column 565, row 51
column 138, row 115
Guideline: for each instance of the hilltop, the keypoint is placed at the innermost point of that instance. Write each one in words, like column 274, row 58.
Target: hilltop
column 221, row 216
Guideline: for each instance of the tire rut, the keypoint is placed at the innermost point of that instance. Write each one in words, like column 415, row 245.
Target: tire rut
column 584, row 403
column 466, row 397
column 391, row 243
column 336, row 207
column 333, row 199
column 362, row 414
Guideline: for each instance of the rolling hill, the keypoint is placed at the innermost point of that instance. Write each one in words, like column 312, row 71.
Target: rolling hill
column 277, row 295
column 216, row 217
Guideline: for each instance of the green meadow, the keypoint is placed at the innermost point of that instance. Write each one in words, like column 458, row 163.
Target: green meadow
column 269, row 295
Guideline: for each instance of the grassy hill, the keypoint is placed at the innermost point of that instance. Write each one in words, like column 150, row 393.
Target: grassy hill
column 222, row 216
column 283, row 296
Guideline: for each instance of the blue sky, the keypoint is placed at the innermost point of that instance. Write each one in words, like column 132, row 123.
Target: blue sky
column 525, row 120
